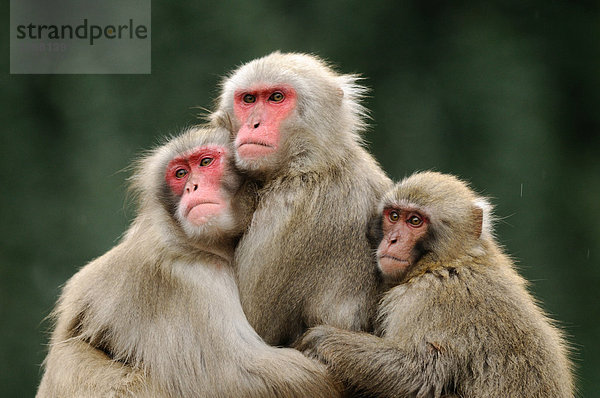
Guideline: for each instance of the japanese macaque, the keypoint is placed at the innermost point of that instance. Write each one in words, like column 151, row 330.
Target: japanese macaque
column 159, row 314
column 306, row 258
column 459, row 321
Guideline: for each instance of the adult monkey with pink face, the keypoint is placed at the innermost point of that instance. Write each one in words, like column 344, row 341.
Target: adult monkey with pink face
column 159, row 314
column 306, row 258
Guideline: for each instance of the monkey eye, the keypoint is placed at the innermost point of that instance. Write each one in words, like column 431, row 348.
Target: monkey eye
column 249, row 98
column 394, row 216
column 415, row 221
column 180, row 173
column 206, row 162
column 277, row 96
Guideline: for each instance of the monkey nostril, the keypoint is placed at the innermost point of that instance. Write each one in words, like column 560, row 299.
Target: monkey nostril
column 256, row 125
column 195, row 187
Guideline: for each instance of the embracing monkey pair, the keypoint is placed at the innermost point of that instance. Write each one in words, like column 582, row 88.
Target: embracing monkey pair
column 259, row 231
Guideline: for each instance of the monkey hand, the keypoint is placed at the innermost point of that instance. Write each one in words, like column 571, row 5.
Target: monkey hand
column 311, row 343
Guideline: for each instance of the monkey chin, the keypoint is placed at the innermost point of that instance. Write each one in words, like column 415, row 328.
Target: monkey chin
column 393, row 269
column 269, row 161
column 201, row 213
column 208, row 227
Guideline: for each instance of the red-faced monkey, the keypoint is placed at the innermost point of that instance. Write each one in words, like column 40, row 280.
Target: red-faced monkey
column 306, row 258
column 159, row 314
column 459, row 321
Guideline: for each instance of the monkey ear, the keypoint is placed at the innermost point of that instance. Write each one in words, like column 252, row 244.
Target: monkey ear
column 477, row 221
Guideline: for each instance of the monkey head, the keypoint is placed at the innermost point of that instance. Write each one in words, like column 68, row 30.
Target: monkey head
column 284, row 108
column 191, row 183
column 430, row 214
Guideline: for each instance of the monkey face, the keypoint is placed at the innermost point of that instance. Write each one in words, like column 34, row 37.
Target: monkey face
column 403, row 230
column 261, row 111
column 198, row 179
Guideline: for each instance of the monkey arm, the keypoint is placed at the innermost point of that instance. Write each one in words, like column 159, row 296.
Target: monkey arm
column 76, row 369
column 372, row 365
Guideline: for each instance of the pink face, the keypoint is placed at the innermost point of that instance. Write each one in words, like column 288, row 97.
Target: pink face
column 402, row 229
column 196, row 179
column 261, row 110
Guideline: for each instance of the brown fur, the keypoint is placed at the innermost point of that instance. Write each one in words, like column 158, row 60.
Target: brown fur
column 306, row 258
column 159, row 314
column 461, row 323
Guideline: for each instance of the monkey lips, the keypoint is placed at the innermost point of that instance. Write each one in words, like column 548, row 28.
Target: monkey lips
column 254, row 149
column 198, row 211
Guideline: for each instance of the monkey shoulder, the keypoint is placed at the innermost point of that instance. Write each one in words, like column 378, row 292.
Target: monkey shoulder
column 103, row 292
column 314, row 202
column 94, row 278
column 465, row 297
column 368, row 171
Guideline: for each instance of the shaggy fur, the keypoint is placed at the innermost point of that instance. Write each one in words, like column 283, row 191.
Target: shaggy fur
column 461, row 323
column 159, row 314
column 306, row 258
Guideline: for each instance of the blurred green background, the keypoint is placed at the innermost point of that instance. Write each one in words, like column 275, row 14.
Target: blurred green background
column 504, row 94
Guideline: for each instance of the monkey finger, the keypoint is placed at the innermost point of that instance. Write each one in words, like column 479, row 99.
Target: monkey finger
column 310, row 342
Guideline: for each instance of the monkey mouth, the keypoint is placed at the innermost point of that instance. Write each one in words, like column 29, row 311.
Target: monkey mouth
column 196, row 204
column 394, row 259
column 255, row 143
column 201, row 212
column 254, row 149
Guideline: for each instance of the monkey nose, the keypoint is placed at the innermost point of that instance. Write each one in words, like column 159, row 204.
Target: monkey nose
column 191, row 187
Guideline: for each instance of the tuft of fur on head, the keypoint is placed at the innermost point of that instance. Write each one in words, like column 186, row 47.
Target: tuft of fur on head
column 327, row 101
column 460, row 220
column 156, row 201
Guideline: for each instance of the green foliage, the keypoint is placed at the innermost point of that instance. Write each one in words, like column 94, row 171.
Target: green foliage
column 505, row 95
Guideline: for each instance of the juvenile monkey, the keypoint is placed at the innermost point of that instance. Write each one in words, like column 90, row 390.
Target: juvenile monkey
column 306, row 258
column 159, row 314
column 459, row 321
